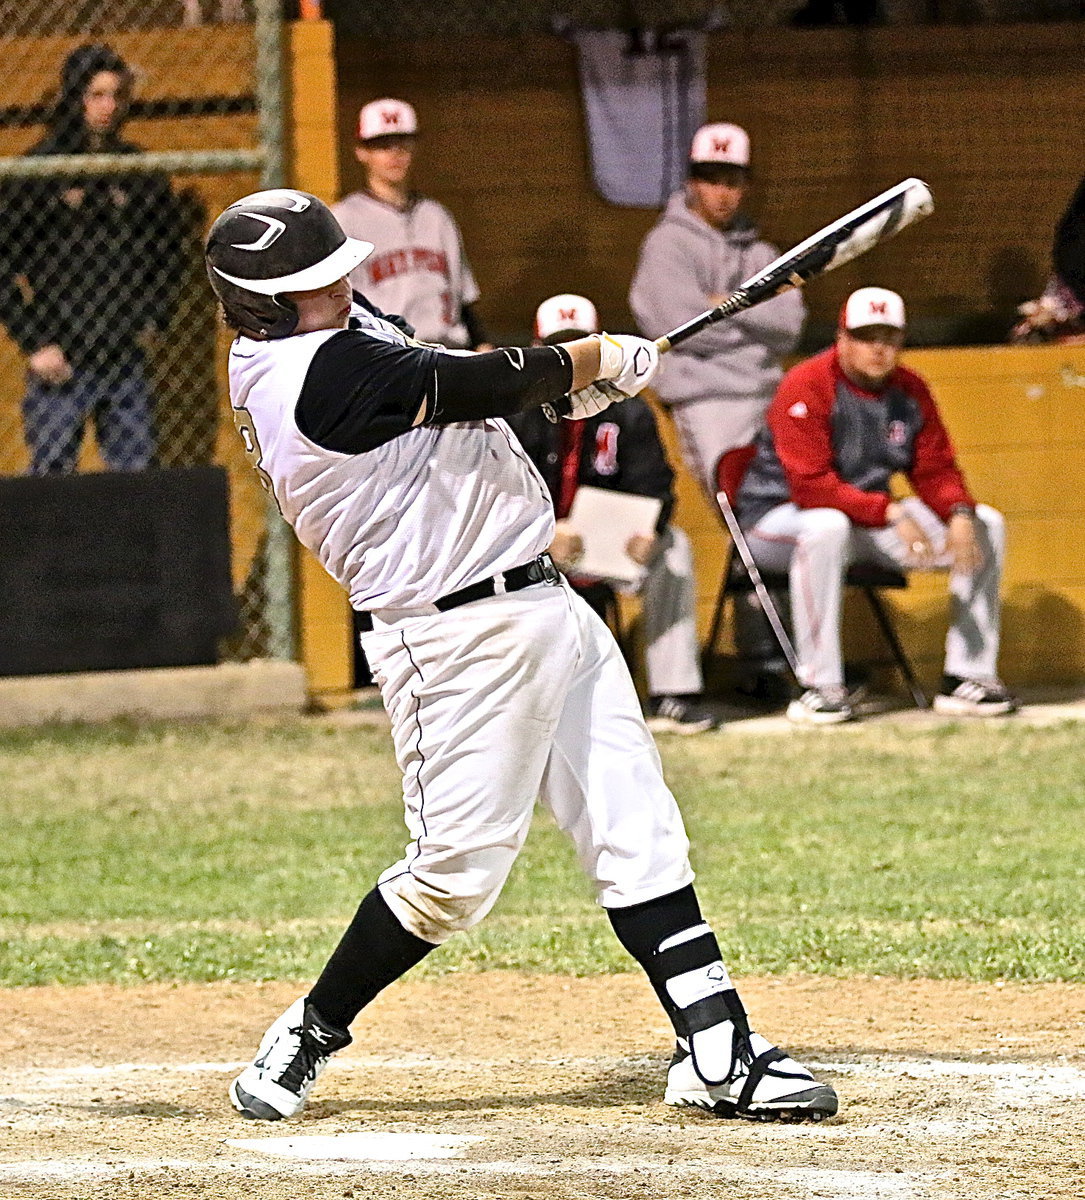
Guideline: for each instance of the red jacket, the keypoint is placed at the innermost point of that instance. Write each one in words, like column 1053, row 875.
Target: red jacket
column 830, row 444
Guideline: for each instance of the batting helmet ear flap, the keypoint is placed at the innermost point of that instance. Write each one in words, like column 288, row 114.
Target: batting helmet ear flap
column 266, row 316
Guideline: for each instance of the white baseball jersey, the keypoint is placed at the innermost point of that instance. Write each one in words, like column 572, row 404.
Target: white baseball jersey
column 422, row 511
column 516, row 696
column 418, row 268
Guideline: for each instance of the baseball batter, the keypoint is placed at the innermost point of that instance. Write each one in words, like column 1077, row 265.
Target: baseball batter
column 418, row 267
column 392, row 463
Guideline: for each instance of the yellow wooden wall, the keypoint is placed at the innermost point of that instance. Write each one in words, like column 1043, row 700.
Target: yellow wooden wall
column 1015, row 417
column 990, row 116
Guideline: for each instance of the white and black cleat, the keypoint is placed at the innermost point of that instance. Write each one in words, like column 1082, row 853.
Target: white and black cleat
column 821, row 706
column 974, row 698
column 292, row 1054
column 765, row 1085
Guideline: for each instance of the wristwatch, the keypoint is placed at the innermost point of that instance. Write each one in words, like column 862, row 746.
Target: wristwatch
column 962, row 510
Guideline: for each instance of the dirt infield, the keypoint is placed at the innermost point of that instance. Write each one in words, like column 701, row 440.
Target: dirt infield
column 503, row 1085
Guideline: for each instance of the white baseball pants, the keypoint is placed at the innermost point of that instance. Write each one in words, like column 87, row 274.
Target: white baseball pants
column 707, row 429
column 815, row 546
column 672, row 655
column 498, row 703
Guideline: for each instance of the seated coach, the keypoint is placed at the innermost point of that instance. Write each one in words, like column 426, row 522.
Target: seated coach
column 816, row 498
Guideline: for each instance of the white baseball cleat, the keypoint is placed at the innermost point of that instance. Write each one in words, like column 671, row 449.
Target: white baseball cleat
column 763, row 1084
column 821, row 706
column 974, row 698
column 292, row 1054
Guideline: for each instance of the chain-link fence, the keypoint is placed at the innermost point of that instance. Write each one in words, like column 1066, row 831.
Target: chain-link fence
column 124, row 129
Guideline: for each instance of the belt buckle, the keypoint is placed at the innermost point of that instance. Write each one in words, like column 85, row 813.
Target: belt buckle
column 550, row 573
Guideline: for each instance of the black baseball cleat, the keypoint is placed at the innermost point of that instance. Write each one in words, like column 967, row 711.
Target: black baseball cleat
column 292, row 1054
column 762, row 1085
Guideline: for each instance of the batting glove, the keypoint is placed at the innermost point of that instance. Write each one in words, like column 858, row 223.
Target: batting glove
column 591, row 400
column 629, row 363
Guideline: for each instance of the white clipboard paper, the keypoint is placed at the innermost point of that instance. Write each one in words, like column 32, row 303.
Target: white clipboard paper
column 606, row 520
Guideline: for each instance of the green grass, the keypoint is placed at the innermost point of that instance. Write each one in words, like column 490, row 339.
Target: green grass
column 210, row 851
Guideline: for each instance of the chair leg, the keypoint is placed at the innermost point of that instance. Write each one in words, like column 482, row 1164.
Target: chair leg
column 919, row 697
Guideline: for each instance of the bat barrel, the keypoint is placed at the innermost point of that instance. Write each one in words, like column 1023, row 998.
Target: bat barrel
column 876, row 221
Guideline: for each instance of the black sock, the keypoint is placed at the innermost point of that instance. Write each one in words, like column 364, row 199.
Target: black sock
column 643, row 928
column 374, row 951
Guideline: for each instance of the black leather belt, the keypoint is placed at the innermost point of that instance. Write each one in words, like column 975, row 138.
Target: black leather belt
column 539, row 570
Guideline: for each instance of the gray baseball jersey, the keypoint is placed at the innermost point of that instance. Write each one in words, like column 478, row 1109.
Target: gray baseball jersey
column 418, row 269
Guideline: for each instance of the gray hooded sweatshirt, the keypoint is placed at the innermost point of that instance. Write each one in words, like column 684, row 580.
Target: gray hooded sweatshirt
column 682, row 262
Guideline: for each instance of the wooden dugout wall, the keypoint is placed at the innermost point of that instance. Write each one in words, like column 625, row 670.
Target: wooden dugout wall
column 990, row 116
column 1014, row 414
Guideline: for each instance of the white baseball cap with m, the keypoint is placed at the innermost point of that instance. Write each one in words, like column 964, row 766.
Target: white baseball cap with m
column 721, row 143
column 872, row 306
column 566, row 313
column 386, row 118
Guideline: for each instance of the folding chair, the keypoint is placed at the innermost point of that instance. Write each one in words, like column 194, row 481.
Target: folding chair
column 736, row 580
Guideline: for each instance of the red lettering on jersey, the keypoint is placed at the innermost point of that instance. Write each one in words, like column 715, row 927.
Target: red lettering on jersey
column 606, row 449
column 425, row 259
column 388, row 265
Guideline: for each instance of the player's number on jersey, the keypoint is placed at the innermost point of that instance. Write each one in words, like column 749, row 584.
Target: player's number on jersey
column 243, row 423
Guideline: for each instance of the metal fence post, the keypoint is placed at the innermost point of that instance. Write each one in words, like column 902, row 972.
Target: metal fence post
column 279, row 578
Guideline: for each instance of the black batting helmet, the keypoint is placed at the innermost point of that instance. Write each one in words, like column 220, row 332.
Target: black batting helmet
column 273, row 242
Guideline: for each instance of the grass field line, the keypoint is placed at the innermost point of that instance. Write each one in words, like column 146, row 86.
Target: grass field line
column 137, row 928
column 954, row 853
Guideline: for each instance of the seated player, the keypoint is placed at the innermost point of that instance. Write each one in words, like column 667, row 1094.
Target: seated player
column 816, row 498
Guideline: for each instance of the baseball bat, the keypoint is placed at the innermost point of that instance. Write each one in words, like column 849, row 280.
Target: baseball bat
column 876, row 221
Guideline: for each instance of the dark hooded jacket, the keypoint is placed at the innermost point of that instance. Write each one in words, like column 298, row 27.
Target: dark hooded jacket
column 87, row 262
column 1069, row 249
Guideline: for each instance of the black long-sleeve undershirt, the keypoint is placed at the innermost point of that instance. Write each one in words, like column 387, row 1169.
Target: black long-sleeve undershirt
column 361, row 391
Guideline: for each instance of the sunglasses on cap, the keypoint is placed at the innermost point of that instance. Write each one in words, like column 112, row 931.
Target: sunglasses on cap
column 889, row 334
column 730, row 174
column 390, row 141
